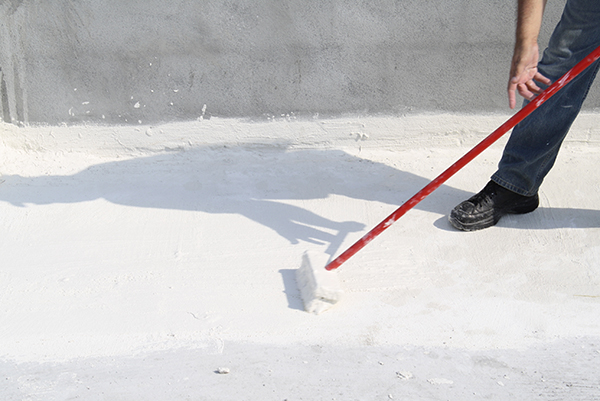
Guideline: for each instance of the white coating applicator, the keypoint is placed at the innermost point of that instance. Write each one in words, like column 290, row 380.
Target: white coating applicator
column 320, row 289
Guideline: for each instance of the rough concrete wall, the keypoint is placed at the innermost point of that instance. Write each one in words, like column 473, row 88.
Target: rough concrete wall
column 128, row 61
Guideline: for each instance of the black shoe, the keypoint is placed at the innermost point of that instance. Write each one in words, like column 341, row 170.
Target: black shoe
column 485, row 209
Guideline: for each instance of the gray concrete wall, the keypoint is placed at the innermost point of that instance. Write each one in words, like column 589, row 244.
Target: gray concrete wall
column 131, row 61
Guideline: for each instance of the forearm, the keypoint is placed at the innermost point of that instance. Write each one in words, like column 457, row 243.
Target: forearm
column 529, row 21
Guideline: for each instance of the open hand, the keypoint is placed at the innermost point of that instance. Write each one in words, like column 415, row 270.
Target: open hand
column 524, row 74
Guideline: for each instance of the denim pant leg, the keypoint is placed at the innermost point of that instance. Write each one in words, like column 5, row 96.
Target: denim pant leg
column 533, row 145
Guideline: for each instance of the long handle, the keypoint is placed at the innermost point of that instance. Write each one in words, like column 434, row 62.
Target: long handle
column 493, row 137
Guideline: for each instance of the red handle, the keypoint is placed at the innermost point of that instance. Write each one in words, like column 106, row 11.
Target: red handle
column 493, row 137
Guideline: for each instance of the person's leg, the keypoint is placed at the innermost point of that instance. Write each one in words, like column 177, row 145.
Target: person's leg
column 534, row 143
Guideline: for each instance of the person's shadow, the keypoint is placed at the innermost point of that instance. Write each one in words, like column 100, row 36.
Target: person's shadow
column 256, row 182
column 253, row 182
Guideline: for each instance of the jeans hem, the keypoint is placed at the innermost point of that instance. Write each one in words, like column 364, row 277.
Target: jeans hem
column 505, row 184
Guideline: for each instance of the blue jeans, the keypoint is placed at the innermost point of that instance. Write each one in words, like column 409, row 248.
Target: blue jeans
column 534, row 143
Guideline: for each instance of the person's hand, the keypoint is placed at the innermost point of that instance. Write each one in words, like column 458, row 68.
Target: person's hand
column 524, row 73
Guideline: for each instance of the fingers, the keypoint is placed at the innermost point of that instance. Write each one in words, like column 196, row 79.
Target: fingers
column 528, row 89
column 512, row 97
column 540, row 78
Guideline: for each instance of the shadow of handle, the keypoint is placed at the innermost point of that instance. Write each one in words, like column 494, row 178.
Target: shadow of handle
column 344, row 229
